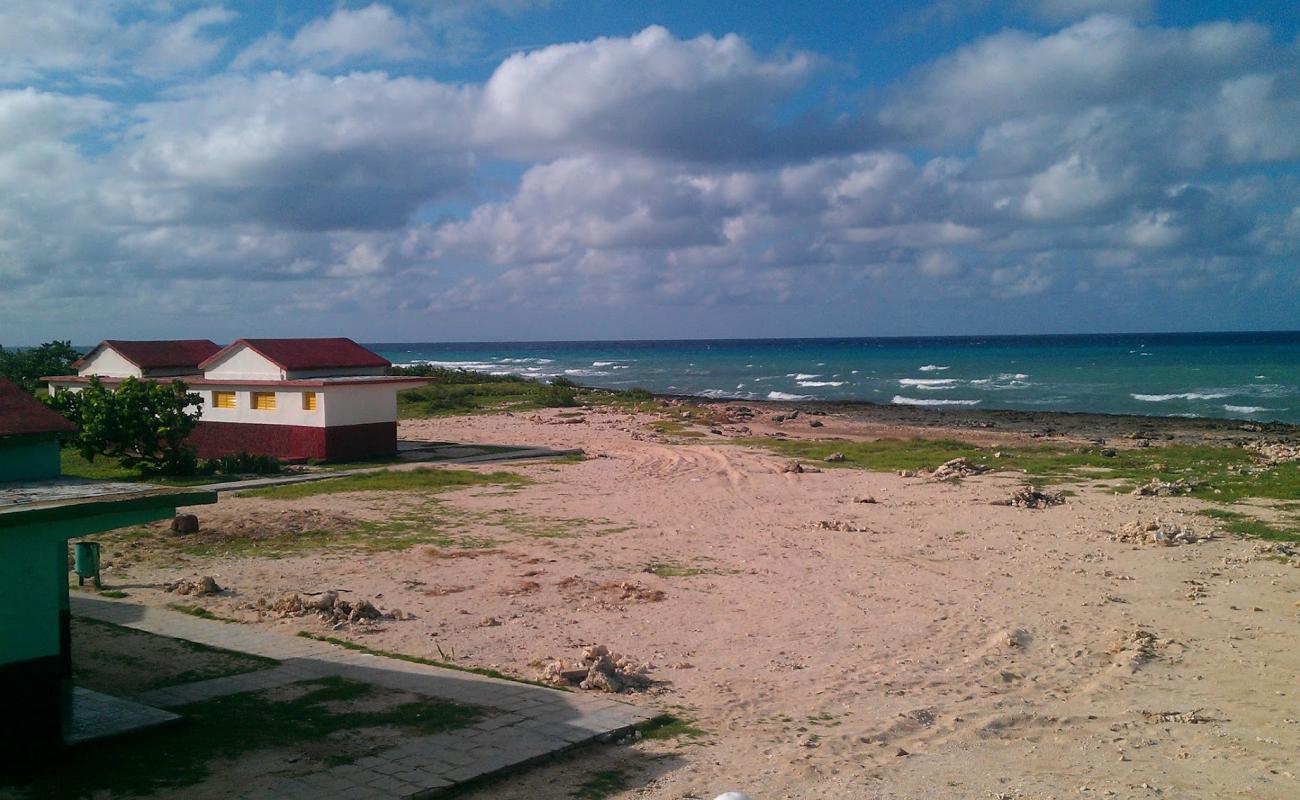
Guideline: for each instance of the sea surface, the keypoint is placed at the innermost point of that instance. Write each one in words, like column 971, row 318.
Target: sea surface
column 1253, row 376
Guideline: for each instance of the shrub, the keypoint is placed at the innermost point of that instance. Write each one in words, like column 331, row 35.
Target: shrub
column 242, row 464
column 556, row 396
column 142, row 423
column 563, row 382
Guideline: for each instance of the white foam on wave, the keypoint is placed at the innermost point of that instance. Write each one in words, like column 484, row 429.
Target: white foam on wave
column 821, row 383
column 784, row 396
column 1012, row 376
column 933, row 368
column 802, row 376
column 1249, row 409
column 1163, row 398
column 603, row 363
column 586, row 373
column 928, row 383
column 899, row 400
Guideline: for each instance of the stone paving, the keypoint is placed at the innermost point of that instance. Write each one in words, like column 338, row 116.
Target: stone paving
column 525, row 723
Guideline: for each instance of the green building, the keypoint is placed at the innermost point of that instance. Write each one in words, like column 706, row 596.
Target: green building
column 39, row 513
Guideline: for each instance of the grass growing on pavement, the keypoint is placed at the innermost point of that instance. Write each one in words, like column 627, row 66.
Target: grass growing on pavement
column 601, row 784
column 413, row 480
column 318, row 723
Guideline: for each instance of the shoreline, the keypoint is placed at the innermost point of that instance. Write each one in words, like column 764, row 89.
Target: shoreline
column 1038, row 424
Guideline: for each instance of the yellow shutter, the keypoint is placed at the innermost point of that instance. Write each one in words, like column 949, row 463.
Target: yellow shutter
column 264, row 401
column 223, row 399
column 308, row 401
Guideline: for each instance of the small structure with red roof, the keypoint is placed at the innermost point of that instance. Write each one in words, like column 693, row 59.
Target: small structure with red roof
column 29, row 436
column 326, row 399
column 120, row 358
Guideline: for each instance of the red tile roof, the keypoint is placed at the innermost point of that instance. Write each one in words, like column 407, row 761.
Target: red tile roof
column 162, row 354
column 304, row 354
column 21, row 414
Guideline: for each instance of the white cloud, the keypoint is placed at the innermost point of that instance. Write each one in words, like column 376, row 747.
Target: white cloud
column 710, row 98
column 373, row 33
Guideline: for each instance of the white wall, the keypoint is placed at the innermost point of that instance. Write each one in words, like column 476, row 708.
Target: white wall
column 108, row 363
column 357, row 405
column 288, row 407
column 244, row 364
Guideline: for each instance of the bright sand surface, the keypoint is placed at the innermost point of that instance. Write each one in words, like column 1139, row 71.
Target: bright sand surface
column 951, row 649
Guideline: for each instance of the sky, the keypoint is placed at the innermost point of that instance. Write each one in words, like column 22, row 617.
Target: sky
column 480, row 170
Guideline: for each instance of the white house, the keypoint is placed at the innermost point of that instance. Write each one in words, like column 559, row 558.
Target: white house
column 290, row 398
column 119, row 358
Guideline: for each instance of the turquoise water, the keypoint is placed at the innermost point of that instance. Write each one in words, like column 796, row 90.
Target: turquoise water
column 1253, row 376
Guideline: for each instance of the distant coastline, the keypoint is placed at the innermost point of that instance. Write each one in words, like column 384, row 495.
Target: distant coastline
column 1247, row 376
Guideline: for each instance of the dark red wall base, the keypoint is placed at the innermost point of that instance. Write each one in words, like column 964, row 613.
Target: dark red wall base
column 339, row 443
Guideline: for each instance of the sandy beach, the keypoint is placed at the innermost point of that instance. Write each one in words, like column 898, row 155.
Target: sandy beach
column 929, row 643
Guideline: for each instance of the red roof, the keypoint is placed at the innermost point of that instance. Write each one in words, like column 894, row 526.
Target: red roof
column 160, row 354
column 302, row 354
column 22, row 414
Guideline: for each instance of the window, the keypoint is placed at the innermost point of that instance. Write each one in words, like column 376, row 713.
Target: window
column 223, row 399
column 264, row 401
column 308, row 401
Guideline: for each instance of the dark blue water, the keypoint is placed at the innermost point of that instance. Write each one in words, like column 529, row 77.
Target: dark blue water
column 1239, row 375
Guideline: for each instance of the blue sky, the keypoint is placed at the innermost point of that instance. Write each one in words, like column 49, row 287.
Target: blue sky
column 509, row 169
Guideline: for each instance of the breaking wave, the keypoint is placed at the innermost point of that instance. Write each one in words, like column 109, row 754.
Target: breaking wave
column 899, row 400
column 933, row 368
column 1162, row 398
column 821, row 383
column 784, row 396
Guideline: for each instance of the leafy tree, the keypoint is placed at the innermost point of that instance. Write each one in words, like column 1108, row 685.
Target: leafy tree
column 25, row 367
column 141, row 423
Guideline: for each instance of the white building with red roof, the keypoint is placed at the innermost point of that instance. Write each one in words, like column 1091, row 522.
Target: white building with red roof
column 121, row 358
column 325, row 399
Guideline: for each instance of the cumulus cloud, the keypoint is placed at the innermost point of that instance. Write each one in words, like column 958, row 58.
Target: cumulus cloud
column 653, row 170
column 652, row 93
column 371, row 33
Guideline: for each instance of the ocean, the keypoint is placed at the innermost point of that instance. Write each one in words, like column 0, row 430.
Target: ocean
column 1251, row 376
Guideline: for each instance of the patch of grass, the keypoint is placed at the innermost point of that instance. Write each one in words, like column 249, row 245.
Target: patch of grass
column 329, row 720
column 669, row 726
column 120, row 660
column 482, row 397
column 674, row 427
column 200, row 612
column 74, row 465
column 601, row 784
column 114, row 594
column 490, row 673
column 1224, row 474
column 567, row 458
column 666, row 569
column 414, row 480
column 1245, row 525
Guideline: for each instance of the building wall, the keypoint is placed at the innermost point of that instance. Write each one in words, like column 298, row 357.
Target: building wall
column 29, row 458
column 244, row 364
column 107, row 363
column 288, row 406
column 291, row 442
column 358, row 405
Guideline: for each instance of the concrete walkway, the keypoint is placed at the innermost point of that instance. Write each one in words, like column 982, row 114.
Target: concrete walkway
column 525, row 723
column 522, row 454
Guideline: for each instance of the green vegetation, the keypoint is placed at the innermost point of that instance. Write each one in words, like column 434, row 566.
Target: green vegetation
column 113, row 594
column 1246, row 525
column 424, row 479
column 199, row 611
column 26, row 366
column 140, row 423
column 116, row 659
column 305, row 719
column 1222, row 474
column 76, row 465
column 445, row 664
column 665, row 569
column 669, row 726
column 601, row 784
column 674, row 427
column 463, row 392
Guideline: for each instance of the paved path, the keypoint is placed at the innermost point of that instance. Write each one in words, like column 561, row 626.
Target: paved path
column 528, row 722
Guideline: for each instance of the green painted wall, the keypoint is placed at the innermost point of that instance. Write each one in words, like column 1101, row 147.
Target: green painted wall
column 34, row 578
column 28, row 458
